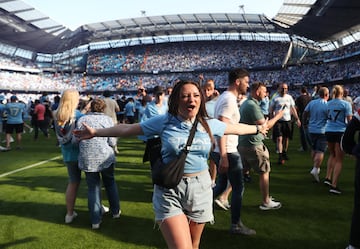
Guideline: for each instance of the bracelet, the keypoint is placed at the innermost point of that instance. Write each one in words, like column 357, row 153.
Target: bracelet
column 257, row 129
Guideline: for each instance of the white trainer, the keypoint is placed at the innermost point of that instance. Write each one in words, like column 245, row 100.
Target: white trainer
column 271, row 205
column 104, row 209
column 70, row 218
column 315, row 173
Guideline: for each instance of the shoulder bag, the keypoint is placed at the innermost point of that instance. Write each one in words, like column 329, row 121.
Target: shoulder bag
column 170, row 174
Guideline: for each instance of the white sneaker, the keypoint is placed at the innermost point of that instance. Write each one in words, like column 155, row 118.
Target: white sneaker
column 271, row 205
column 116, row 216
column 96, row 226
column 31, row 130
column 104, row 209
column 11, row 140
column 315, row 173
column 70, row 218
column 222, row 204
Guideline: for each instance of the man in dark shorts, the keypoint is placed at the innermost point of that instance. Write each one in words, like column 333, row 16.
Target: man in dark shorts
column 282, row 130
column 15, row 122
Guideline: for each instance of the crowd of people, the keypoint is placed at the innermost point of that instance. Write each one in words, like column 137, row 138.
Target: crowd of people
column 126, row 68
column 230, row 120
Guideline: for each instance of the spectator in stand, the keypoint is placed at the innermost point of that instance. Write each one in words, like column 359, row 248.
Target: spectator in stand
column 300, row 104
column 314, row 119
column 97, row 159
column 282, row 131
column 339, row 114
column 254, row 153
column 40, row 122
column 15, row 111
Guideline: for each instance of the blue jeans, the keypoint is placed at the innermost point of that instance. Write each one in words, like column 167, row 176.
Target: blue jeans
column 235, row 177
column 94, row 193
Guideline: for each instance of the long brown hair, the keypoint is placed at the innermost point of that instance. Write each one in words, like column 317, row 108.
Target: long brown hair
column 174, row 99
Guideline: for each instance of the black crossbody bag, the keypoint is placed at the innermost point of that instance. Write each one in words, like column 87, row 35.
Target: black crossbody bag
column 170, row 174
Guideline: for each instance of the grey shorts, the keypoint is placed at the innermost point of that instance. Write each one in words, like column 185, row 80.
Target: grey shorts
column 192, row 197
column 256, row 157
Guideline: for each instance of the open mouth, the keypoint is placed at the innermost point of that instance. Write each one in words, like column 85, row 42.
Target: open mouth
column 190, row 107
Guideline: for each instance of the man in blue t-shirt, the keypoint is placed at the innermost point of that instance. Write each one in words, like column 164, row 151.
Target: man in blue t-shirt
column 314, row 120
column 14, row 111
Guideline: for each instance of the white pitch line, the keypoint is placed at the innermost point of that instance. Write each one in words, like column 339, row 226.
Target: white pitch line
column 30, row 166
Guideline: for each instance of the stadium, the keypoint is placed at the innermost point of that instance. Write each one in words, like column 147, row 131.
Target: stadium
column 308, row 43
column 319, row 47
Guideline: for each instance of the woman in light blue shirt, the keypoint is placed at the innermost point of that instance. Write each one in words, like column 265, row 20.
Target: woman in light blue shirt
column 182, row 212
column 339, row 114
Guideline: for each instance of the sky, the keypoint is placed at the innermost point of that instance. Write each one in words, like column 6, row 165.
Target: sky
column 74, row 13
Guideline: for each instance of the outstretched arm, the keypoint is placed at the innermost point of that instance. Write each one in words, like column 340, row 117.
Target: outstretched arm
column 120, row 130
column 244, row 129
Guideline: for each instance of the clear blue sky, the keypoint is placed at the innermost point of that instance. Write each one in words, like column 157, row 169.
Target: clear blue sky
column 74, row 13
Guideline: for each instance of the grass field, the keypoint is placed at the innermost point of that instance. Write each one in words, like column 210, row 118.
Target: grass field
column 32, row 205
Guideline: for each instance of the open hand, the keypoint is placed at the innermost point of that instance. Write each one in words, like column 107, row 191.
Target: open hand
column 85, row 133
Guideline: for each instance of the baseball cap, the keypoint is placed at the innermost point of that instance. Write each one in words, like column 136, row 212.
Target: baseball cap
column 12, row 98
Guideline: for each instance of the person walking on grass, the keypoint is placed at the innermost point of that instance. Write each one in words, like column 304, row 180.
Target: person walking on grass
column 253, row 151
column 314, row 120
column 225, row 154
column 15, row 112
column 181, row 212
column 97, row 160
column 282, row 130
column 339, row 114
column 66, row 117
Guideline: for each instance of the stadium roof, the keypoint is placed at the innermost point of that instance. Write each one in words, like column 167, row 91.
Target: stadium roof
column 23, row 26
column 320, row 20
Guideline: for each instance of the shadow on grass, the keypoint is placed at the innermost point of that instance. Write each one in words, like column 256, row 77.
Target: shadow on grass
column 17, row 242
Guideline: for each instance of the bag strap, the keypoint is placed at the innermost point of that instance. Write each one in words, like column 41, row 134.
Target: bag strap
column 191, row 137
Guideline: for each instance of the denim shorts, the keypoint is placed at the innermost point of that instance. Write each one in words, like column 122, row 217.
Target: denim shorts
column 318, row 142
column 193, row 197
column 73, row 171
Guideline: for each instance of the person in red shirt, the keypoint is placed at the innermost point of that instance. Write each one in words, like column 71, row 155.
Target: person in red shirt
column 40, row 122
